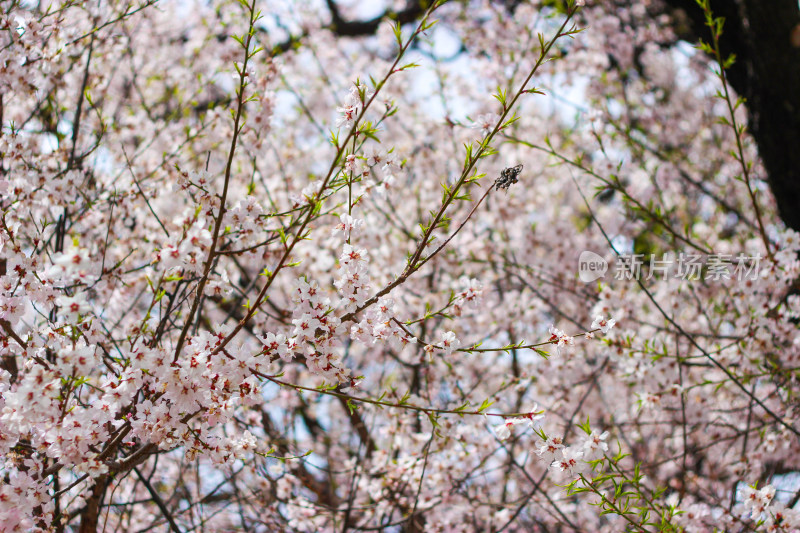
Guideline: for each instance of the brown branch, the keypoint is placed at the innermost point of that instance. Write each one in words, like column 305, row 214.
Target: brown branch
column 90, row 515
column 243, row 82
column 158, row 501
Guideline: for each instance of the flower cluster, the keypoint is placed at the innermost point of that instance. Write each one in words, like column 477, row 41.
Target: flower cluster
column 316, row 332
column 353, row 105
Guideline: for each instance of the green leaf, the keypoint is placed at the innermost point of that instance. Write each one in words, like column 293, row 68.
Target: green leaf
column 485, row 405
column 404, row 399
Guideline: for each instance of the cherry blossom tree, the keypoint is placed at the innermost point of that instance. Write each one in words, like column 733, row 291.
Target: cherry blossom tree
column 461, row 266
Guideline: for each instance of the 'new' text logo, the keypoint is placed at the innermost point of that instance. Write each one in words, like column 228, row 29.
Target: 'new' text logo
column 591, row 266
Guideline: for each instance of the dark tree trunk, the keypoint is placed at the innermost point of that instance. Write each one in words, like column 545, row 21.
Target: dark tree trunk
column 765, row 37
column 90, row 516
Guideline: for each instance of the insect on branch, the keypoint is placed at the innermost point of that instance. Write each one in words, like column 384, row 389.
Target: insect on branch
column 508, row 177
